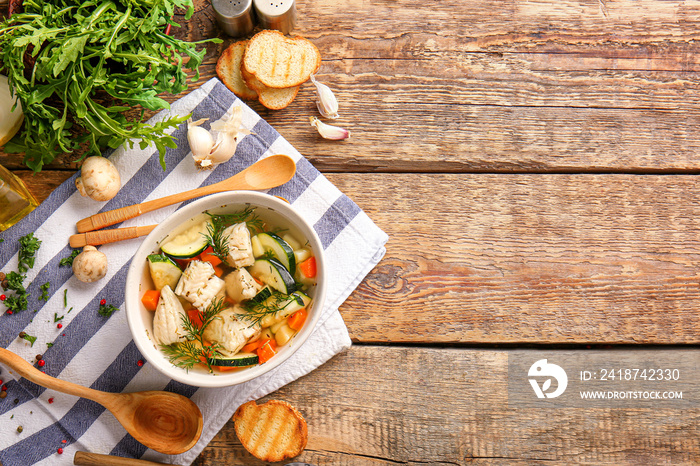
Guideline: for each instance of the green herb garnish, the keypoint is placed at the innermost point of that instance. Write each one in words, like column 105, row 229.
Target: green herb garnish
column 49, row 345
column 65, row 298
column 193, row 350
column 78, row 67
column 257, row 311
column 45, row 291
column 30, row 338
column 28, row 246
column 106, row 310
column 68, row 261
column 56, row 318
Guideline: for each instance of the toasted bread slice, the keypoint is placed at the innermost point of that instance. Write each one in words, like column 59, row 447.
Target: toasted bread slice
column 279, row 61
column 270, row 97
column 228, row 68
column 272, row 431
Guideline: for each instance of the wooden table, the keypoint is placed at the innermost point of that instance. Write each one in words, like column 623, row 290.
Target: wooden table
column 535, row 166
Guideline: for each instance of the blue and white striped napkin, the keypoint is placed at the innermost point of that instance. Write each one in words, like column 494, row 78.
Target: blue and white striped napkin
column 98, row 352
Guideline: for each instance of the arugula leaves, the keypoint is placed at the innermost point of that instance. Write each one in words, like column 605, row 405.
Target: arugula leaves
column 78, row 67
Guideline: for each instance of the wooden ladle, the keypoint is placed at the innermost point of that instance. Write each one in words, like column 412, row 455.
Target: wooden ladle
column 267, row 173
column 165, row 422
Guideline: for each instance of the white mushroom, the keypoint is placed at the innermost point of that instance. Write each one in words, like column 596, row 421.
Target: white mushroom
column 90, row 265
column 99, row 179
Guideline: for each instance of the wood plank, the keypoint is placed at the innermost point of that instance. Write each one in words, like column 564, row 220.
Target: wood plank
column 450, row 406
column 493, row 259
column 529, row 259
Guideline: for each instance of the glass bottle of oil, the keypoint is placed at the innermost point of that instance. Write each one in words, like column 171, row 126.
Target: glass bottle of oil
column 15, row 200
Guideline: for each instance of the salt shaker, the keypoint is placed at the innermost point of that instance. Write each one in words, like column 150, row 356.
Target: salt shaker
column 276, row 14
column 235, row 17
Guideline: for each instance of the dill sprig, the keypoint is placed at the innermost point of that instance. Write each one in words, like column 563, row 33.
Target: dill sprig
column 277, row 302
column 219, row 222
column 193, row 350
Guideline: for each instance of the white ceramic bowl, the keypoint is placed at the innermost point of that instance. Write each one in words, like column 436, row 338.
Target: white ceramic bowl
column 138, row 280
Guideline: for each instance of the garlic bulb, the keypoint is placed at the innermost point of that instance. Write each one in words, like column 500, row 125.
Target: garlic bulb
column 210, row 148
column 327, row 103
column 328, row 131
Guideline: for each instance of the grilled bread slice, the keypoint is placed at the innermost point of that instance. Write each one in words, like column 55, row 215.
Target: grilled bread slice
column 228, row 68
column 272, row 431
column 270, row 97
column 279, row 61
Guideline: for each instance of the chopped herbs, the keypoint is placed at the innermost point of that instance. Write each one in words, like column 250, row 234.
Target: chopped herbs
column 106, row 310
column 65, row 297
column 194, row 349
column 25, row 336
column 29, row 245
column 68, row 261
column 49, row 345
column 45, row 291
column 56, row 318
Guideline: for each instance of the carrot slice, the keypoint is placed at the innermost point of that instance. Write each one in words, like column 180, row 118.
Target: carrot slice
column 252, row 346
column 296, row 320
column 195, row 317
column 150, row 299
column 266, row 351
column 308, row 267
column 208, row 256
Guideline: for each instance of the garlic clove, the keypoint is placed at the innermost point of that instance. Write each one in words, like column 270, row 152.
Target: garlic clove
column 201, row 141
column 328, row 131
column 327, row 103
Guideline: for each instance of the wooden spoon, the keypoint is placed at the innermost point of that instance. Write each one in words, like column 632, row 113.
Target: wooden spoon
column 264, row 174
column 162, row 421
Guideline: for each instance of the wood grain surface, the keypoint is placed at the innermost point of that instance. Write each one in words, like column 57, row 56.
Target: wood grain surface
column 450, row 407
column 535, row 166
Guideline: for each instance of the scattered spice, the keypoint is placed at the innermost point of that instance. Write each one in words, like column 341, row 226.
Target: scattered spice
column 103, row 302
column 3, row 394
column 4, row 388
column 139, row 362
column 50, row 400
column 39, row 357
column 25, row 336
column 15, row 401
column 106, row 310
column 41, row 363
column 59, row 326
column 19, row 429
column 59, row 451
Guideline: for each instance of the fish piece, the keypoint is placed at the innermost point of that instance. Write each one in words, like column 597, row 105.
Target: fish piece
column 240, row 285
column 230, row 332
column 199, row 284
column 167, row 322
column 240, row 248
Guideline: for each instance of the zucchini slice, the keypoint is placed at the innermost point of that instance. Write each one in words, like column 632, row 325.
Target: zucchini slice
column 273, row 273
column 189, row 243
column 262, row 295
column 280, row 249
column 164, row 271
column 238, row 360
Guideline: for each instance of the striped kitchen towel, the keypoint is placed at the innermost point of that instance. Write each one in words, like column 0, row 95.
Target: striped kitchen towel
column 98, row 351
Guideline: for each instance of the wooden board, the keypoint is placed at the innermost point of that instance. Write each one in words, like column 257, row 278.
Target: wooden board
column 387, row 405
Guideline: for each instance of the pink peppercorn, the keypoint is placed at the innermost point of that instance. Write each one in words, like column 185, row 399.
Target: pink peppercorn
column 50, row 400
column 59, row 451
column 139, row 362
column 59, row 326
column 4, row 388
column 3, row 297
column 103, row 302
column 41, row 363
column 9, row 312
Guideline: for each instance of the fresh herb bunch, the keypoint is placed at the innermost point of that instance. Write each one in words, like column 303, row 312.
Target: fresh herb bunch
column 194, row 350
column 78, row 66
column 215, row 229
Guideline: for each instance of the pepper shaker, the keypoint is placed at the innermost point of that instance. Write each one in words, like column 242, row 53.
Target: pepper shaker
column 235, row 17
column 276, row 14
